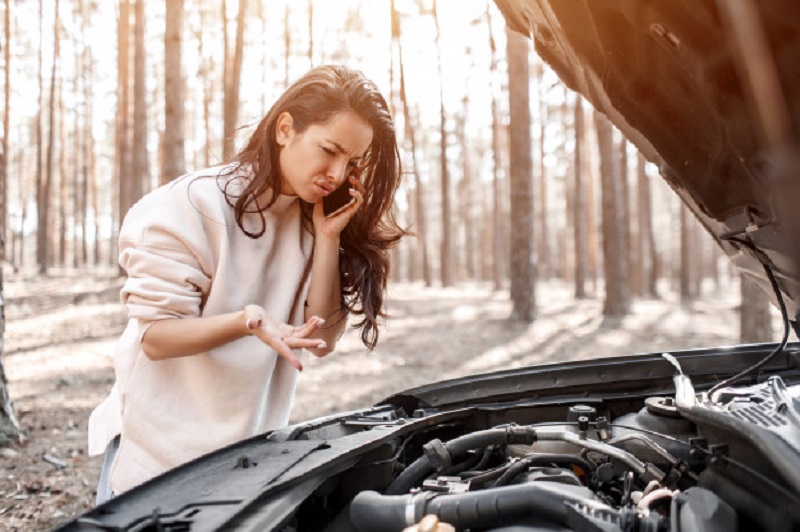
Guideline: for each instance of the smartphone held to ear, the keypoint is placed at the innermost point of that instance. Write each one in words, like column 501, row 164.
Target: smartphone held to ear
column 336, row 201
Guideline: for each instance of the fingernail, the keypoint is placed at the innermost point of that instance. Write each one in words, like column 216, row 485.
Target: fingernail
column 322, row 345
column 250, row 324
column 320, row 321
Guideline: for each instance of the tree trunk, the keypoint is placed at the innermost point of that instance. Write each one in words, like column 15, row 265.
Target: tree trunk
column 124, row 174
column 685, row 267
column 580, row 220
column 287, row 44
column 310, row 33
column 63, row 184
column 591, row 168
column 754, row 313
column 87, row 146
column 625, row 206
column 174, row 162
column 648, row 259
column 43, row 200
column 466, row 196
column 544, row 270
column 205, row 67
column 78, row 142
column 614, row 262
column 9, row 426
column 410, row 134
column 498, row 250
column 140, row 166
column 523, row 274
column 4, row 232
column 233, row 71
column 446, row 246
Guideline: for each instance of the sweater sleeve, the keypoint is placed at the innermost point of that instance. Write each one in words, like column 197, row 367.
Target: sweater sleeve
column 163, row 250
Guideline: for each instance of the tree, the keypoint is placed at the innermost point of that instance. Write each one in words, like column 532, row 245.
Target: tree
column 410, row 136
column 687, row 250
column 6, row 125
column 9, row 426
column 648, row 257
column 174, row 163
column 465, row 190
column 140, row 166
column 614, row 261
column 580, row 219
column 498, row 250
column 446, row 248
column 523, row 274
column 755, row 320
column 44, row 186
column 232, row 75
column 123, row 174
column 543, row 241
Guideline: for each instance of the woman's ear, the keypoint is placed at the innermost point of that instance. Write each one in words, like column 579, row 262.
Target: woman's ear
column 284, row 128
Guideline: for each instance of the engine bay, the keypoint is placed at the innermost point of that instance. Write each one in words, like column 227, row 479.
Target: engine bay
column 722, row 463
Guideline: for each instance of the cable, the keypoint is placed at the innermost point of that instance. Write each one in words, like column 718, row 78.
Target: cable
column 784, row 314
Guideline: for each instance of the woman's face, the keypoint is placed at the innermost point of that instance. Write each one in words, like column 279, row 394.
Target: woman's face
column 315, row 162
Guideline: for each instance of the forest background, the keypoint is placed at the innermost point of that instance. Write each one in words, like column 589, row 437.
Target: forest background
column 538, row 226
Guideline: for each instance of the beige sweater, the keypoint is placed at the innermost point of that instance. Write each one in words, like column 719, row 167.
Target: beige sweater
column 185, row 256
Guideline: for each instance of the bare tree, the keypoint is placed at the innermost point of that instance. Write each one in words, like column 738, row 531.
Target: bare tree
column 63, row 182
column 465, row 192
column 614, row 262
column 9, row 426
column 446, row 248
column 687, row 249
column 6, row 124
column 287, row 44
column 43, row 188
column 233, row 73
column 498, row 250
column 310, row 33
column 140, row 166
column 88, row 177
column 543, row 241
column 625, row 208
column 580, row 220
column 174, row 162
column 523, row 274
column 648, row 258
column 755, row 320
column 124, row 175
column 410, row 135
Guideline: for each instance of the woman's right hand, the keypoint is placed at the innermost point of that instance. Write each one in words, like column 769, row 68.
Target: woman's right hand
column 282, row 337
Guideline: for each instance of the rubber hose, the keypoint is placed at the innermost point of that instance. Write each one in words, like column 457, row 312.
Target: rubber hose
column 371, row 511
column 475, row 440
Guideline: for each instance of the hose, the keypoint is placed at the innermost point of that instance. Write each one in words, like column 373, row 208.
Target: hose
column 371, row 511
column 475, row 440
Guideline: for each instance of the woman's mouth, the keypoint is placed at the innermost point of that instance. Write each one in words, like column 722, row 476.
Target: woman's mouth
column 323, row 188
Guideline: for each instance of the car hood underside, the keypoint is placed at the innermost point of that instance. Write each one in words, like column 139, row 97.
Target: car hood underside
column 714, row 103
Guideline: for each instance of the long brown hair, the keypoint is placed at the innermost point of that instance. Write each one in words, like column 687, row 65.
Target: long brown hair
column 365, row 242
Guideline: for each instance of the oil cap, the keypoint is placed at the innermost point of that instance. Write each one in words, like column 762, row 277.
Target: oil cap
column 578, row 411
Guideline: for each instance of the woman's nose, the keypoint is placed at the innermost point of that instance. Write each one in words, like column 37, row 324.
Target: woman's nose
column 337, row 172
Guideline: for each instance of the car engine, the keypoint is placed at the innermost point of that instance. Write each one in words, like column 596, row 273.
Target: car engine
column 675, row 464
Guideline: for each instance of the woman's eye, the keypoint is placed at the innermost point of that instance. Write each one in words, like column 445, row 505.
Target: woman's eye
column 328, row 150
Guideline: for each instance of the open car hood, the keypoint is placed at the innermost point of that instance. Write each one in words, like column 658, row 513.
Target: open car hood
column 708, row 91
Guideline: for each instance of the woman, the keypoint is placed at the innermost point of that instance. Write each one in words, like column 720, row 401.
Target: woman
column 232, row 268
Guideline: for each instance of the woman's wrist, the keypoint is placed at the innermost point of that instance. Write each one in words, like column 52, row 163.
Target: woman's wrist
column 327, row 242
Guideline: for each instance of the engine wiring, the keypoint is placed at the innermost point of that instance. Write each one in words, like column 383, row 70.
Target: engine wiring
column 784, row 314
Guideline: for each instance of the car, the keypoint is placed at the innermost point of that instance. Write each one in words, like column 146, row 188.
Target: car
column 696, row 440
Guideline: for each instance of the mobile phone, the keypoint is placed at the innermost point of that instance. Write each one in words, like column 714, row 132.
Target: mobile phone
column 336, row 201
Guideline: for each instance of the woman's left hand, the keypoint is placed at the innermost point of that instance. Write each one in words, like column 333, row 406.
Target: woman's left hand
column 332, row 226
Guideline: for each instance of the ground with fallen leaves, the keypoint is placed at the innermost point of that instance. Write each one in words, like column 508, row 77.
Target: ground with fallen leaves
column 61, row 329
